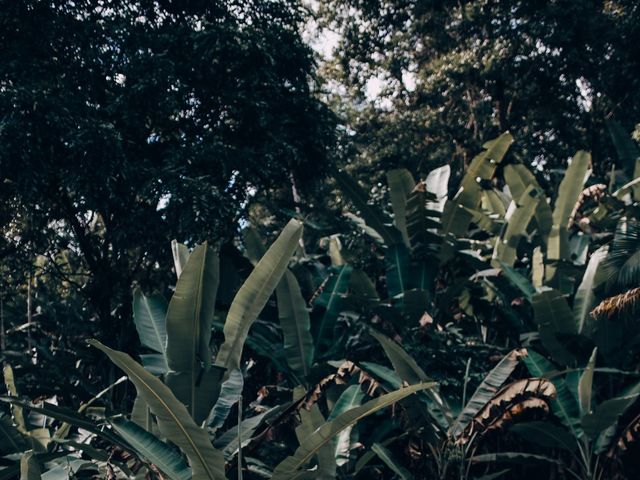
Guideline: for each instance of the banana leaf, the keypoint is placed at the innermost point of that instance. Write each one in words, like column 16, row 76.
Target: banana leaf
column 584, row 299
column 565, row 405
column 332, row 298
column 190, row 312
column 180, row 256
column 174, row 421
column 29, row 467
column 585, row 385
column 352, row 397
column 570, row 188
column 197, row 390
column 296, row 326
column 151, row 448
column 290, row 467
column 401, row 184
column 390, row 461
column 487, row 389
column 149, row 314
column 254, row 294
column 554, row 316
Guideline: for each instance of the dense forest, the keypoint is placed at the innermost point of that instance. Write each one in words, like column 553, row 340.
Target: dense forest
column 319, row 240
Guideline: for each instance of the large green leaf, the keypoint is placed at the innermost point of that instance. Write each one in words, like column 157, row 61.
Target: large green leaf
column 151, row 448
column 180, row 256
column 606, row 414
column 229, row 396
column 173, row 418
column 290, row 467
column 332, row 299
column 371, row 215
column 296, row 326
column 191, row 310
column 518, row 177
column 565, row 405
column 310, row 420
column 570, row 188
column 254, row 294
column 554, row 316
column 517, row 219
column 149, row 314
column 545, row 434
column 11, row 440
column 390, row 461
column 487, row 389
column 401, row 184
column 352, row 397
column 585, row 385
column 397, row 261
column 197, row 391
column 456, row 218
column 584, row 299
column 422, row 222
column 628, row 153
column 404, row 365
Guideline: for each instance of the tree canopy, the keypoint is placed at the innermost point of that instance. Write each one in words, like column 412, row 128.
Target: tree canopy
column 446, row 76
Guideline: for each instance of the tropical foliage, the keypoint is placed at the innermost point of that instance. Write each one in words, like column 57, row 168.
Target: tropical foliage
column 496, row 321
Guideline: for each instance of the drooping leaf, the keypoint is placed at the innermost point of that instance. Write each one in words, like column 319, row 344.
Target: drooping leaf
column 254, row 294
column 437, row 183
column 518, row 177
column 290, row 467
column 229, row 396
column 173, row 418
column 487, row 389
column 401, row 184
column 151, row 448
column 190, row 312
column 149, row 314
column 296, row 326
column 371, row 215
